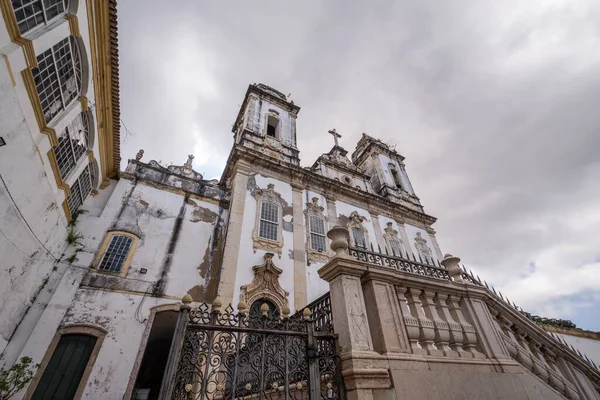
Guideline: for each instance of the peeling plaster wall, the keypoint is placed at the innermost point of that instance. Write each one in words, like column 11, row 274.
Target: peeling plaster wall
column 178, row 255
column 114, row 312
column 248, row 258
column 25, row 263
column 28, row 266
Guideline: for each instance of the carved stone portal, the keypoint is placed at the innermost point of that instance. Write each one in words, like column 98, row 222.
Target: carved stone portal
column 265, row 285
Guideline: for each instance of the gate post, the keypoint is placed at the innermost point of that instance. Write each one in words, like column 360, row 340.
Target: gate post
column 166, row 387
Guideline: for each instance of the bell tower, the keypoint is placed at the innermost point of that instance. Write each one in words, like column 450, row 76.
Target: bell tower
column 266, row 122
column 387, row 171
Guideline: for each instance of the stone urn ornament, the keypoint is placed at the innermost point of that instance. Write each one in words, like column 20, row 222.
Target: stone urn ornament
column 339, row 240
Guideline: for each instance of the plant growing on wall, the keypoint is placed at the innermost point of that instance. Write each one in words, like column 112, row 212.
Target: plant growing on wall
column 16, row 378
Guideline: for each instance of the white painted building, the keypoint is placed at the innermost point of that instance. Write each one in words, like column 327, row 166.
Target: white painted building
column 95, row 261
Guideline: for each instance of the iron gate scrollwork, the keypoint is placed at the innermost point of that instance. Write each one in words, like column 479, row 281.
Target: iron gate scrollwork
column 228, row 355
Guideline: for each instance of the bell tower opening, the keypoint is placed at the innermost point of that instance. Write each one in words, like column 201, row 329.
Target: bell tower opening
column 272, row 126
column 266, row 123
column 396, row 177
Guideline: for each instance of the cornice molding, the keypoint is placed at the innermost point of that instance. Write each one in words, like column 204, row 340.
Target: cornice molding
column 304, row 176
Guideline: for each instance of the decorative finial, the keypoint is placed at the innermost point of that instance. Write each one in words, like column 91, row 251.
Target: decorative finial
column 339, row 240
column 187, row 299
column 217, row 304
column 306, row 313
column 315, row 200
column 242, row 307
column 139, row 155
column 286, row 311
column 264, row 309
column 188, row 163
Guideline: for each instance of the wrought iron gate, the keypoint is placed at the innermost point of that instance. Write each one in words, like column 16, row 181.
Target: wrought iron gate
column 228, row 355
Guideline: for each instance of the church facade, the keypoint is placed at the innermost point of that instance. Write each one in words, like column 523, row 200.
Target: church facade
column 108, row 273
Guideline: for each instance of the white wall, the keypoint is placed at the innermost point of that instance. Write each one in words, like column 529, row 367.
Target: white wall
column 248, row 258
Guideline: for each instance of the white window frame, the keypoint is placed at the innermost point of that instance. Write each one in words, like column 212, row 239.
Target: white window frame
column 44, row 12
column 315, row 211
column 271, row 196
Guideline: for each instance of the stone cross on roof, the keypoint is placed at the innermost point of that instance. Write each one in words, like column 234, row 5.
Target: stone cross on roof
column 335, row 135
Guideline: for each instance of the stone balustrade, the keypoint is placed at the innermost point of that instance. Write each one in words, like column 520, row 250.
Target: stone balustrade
column 393, row 314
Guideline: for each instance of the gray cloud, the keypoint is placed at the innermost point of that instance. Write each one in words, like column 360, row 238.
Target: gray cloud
column 494, row 107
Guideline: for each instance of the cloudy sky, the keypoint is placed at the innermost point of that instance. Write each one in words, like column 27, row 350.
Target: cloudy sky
column 495, row 106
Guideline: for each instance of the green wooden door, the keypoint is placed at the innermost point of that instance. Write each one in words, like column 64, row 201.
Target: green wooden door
column 63, row 373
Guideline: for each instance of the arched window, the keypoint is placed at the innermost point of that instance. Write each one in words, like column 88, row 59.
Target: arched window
column 80, row 190
column 72, row 144
column 116, row 252
column 269, row 219
column 396, row 177
column 58, row 77
column 273, row 124
column 31, row 13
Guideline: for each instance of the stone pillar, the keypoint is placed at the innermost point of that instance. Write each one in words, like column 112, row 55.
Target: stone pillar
column 385, row 318
column 332, row 217
column 300, row 292
column 362, row 368
column 404, row 237
column 231, row 249
column 378, row 232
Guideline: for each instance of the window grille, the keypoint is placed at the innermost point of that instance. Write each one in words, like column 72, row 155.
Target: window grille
column 116, row 254
column 396, row 247
column 31, row 13
column 269, row 218
column 317, row 234
column 359, row 238
column 72, row 144
column 58, row 77
column 80, row 190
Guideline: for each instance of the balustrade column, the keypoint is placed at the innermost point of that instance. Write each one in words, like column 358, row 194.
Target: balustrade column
column 470, row 337
column 442, row 330
column 410, row 322
column 455, row 341
column 426, row 329
column 556, row 378
column 539, row 364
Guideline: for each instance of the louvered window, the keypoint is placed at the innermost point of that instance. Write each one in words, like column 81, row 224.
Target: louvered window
column 116, row 254
column 269, row 220
column 62, row 375
column 31, row 13
column 317, row 234
column 72, row 144
column 359, row 238
column 58, row 77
